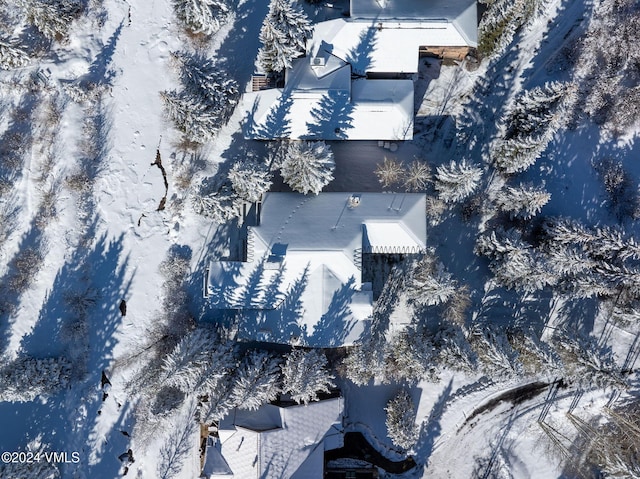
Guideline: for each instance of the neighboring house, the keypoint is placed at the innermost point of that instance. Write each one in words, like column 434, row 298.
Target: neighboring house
column 355, row 81
column 276, row 441
column 303, row 279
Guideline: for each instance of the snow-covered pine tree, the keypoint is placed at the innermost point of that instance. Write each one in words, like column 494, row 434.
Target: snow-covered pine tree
column 363, row 362
column 202, row 16
column 221, row 206
column 587, row 362
column 52, row 17
column 198, row 362
column 515, row 263
column 250, row 180
column 389, row 173
column 417, row 176
column 218, row 401
column 257, row 381
column 495, row 354
column 430, row 284
column 308, row 166
column 564, row 231
column 535, row 355
column 523, row 201
column 193, row 118
column 530, row 125
column 457, row 181
column 454, row 351
column 409, row 356
column 203, row 79
column 12, row 55
column 207, row 100
column 276, row 54
column 31, row 469
column 284, row 33
column 305, row 375
column 27, row 378
column 400, row 421
column 185, row 365
column 502, row 20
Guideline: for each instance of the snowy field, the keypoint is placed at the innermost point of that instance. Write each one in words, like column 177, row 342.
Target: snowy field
column 103, row 251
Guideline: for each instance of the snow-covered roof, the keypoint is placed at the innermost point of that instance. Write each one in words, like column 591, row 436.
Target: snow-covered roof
column 304, row 281
column 384, row 46
column 373, row 110
column 214, row 464
column 387, row 237
column 294, row 449
column 461, row 13
column 333, row 221
column 332, row 75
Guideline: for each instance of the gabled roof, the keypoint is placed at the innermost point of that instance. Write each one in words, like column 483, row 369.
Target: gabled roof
column 295, row 449
column 333, row 109
column 385, row 45
column 304, row 282
column 461, row 13
column 214, row 464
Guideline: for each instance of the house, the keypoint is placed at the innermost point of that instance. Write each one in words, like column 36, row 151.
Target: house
column 276, row 441
column 303, row 280
column 355, row 81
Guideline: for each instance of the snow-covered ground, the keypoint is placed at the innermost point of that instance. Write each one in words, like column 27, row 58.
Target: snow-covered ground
column 85, row 197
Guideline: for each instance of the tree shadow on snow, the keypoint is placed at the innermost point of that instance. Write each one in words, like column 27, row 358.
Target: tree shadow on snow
column 331, row 117
column 431, row 429
column 335, row 324
column 276, row 124
column 82, row 307
column 99, row 71
column 360, row 57
column 244, row 41
column 22, row 271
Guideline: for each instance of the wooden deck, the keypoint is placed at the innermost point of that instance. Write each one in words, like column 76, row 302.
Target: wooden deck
column 261, row 82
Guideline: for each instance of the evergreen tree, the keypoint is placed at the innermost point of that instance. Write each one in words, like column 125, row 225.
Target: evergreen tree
column 586, row 362
column 12, row 55
column 494, row 352
column 31, row 469
column 52, row 17
column 535, row 355
column 202, row 16
column 221, row 206
column 522, row 201
column 401, row 427
column 308, row 166
column 430, row 284
column 256, row 382
column 457, row 181
column 530, row 125
column 198, row 362
column 207, row 101
column 284, row 33
column 410, row 356
column 454, row 351
column 276, row 55
column 27, row 378
column 502, row 20
column 195, row 119
column 515, row 263
column 363, row 362
column 218, row 401
column 250, row 180
column 305, row 374
column 203, row 79
column 390, row 172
